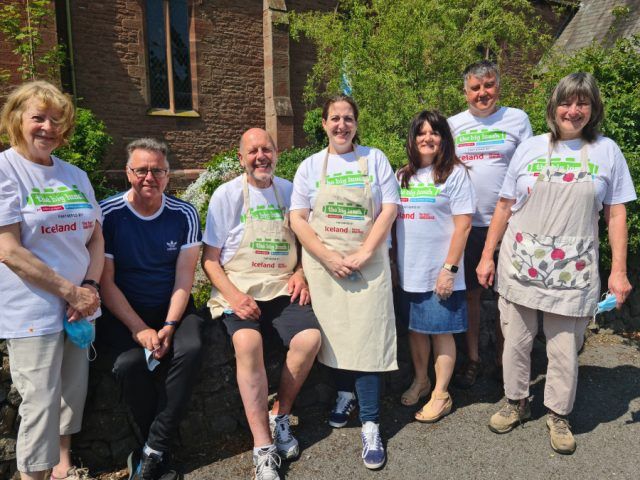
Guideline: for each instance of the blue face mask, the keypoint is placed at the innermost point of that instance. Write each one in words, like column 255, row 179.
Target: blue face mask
column 81, row 332
column 609, row 303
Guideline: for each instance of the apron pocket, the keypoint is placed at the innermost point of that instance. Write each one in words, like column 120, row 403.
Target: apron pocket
column 553, row 262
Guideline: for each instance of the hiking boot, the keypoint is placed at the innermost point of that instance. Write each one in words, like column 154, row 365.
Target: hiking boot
column 467, row 377
column 562, row 440
column 266, row 463
column 509, row 416
column 285, row 442
column 373, row 454
column 344, row 407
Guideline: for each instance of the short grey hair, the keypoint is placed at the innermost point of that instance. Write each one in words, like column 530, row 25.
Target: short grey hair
column 582, row 86
column 150, row 144
column 481, row 69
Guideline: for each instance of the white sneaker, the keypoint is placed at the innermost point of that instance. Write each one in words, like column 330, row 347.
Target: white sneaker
column 266, row 463
column 373, row 454
column 286, row 443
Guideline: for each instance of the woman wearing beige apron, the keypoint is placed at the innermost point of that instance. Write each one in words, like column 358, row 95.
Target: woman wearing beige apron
column 549, row 205
column 343, row 204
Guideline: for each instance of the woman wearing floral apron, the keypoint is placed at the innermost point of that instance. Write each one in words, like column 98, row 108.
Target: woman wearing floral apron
column 549, row 205
column 343, row 205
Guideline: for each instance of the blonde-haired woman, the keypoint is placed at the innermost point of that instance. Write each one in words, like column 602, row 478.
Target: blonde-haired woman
column 51, row 258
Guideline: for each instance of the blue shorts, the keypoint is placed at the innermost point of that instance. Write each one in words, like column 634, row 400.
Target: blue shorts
column 426, row 313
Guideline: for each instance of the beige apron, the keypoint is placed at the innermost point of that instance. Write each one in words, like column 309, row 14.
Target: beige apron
column 265, row 259
column 549, row 254
column 356, row 315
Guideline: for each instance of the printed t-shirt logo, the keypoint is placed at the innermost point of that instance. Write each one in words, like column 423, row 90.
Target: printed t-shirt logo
column 60, row 198
column 345, row 211
column 172, row 245
column 264, row 212
column 419, row 193
column 346, row 179
column 567, row 164
column 270, row 246
column 480, row 140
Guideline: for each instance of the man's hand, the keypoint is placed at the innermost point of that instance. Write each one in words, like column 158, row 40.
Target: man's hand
column 245, row 307
column 298, row 287
column 147, row 338
column 165, row 335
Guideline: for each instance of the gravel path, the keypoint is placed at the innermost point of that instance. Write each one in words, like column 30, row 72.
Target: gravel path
column 606, row 423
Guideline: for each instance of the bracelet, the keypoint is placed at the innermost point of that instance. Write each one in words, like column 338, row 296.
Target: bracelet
column 171, row 323
column 91, row 283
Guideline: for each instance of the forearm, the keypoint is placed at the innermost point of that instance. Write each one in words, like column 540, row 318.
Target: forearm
column 119, row 306
column 95, row 247
column 462, row 227
column 185, row 271
column 497, row 227
column 381, row 228
column 618, row 238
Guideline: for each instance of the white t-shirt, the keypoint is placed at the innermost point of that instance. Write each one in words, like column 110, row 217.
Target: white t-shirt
column 57, row 210
column 344, row 170
column 486, row 145
column 425, row 226
column 612, row 179
column 226, row 216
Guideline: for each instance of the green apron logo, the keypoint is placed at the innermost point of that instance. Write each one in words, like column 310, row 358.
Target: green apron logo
column 347, row 211
column 269, row 246
column 568, row 164
column 264, row 212
column 60, row 198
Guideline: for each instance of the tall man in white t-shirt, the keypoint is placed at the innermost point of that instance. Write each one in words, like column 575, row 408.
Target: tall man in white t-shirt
column 486, row 136
column 251, row 258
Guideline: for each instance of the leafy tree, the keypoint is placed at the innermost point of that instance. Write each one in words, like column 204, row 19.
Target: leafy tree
column 402, row 56
column 21, row 22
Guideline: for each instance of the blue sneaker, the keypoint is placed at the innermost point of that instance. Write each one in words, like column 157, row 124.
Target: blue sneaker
column 373, row 454
column 344, row 407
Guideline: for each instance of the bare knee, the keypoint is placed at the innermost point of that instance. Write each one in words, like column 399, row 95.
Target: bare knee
column 247, row 344
column 306, row 342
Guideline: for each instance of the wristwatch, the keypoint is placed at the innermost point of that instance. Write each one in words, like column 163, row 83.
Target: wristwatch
column 450, row 267
column 91, row 283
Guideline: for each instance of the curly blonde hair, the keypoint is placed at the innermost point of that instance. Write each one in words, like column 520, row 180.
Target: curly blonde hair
column 50, row 97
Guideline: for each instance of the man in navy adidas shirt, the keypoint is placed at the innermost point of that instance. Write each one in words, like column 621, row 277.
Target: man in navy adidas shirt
column 152, row 242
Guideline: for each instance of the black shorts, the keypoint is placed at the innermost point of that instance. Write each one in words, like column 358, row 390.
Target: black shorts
column 287, row 318
column 472, row 255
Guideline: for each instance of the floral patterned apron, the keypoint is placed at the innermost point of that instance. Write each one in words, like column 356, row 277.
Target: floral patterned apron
column 265, row 259
column 355, row 314
column 549, row 255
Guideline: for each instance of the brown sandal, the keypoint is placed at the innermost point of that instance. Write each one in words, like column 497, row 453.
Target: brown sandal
column 423, row 417
column 414, row 393
column 468, row 375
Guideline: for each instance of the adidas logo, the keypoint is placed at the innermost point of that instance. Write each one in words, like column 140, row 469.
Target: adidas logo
column 171, row 245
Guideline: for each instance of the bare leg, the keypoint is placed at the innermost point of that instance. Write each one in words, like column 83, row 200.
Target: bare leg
column 65, row 464
column 420, row 346
column 302, row 352
column 444, row 352
column 472, row 336
column 252, row 383
column 32, row 476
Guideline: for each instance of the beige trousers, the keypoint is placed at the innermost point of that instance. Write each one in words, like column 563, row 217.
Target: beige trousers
column 51, row 375
column 565, row 336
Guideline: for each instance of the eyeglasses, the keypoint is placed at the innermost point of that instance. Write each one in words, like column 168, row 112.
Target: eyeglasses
column 156, row 172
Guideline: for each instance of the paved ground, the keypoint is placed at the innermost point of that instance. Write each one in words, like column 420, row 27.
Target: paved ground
column 606, row 422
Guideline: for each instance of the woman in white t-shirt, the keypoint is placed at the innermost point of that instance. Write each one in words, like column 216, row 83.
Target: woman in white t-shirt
column 52, row 253
column 343, row 204
column 431, row 231
column 547, row 218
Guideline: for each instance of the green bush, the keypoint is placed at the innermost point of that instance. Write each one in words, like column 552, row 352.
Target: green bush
column 86, row 149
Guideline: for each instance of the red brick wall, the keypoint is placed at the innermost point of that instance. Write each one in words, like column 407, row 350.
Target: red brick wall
column 109, row 48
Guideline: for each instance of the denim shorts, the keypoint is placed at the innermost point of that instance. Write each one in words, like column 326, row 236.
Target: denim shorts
column 425, row 313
